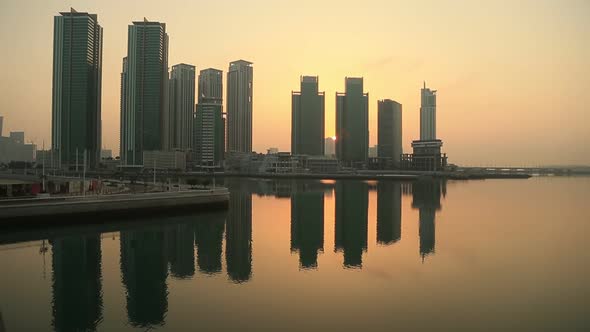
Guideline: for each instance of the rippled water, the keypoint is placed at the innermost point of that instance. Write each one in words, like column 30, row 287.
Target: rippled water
column 318, row 255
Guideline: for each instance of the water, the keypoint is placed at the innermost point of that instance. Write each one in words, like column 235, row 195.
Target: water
column 509, row 255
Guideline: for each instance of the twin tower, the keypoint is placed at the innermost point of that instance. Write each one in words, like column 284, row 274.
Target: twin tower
column 352, row 123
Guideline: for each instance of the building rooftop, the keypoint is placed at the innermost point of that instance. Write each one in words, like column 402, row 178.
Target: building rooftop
column 183, row 65
column 309, row 79
column 211, row 69
column 240, row 63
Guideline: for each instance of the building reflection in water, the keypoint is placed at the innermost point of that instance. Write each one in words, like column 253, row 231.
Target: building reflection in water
column 209, row 241
column 351, row 221
column 77, row 283
column 238, row 237
column 144, row 267
column 426, row 197
column 389, row 212
column 181, row 250
column 307, row 227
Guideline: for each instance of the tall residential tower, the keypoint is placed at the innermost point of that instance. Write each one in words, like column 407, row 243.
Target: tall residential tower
column 389, row 134
column 182, row 102
column 77, row 76
column 307, row 118
column 239, row 107
column 209, row 125
column 428, row 114
column 211, row 86
column 352, row 122
column 146, row 105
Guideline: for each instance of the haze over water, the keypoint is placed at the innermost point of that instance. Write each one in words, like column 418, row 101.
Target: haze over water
column 504, row 255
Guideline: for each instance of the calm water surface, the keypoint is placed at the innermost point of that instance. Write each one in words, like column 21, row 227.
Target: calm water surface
column 509, row 255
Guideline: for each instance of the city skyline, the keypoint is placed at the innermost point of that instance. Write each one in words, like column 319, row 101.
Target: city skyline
column 508, row 103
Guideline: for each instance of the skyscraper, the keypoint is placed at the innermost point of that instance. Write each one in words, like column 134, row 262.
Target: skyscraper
column 427, row 154
column 208, row 134
column 239, row 106
column 77, row 77
column 307, row 118
column 211, row 86
column 146, row 105
column 352, row 122
column 389, row 134
column 209, row 125
column 182, row 103
column 428, row 114
column 123, row 109
column 1, row 124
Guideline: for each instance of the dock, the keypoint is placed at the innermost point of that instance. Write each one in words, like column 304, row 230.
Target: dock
column 102, row 208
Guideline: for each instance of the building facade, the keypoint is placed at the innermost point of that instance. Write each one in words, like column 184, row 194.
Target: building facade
column 182, row 100
column 146, row 91
column 352, row 122
column 210, row 86
column 307, row 118
column 209, row 135
column 389, row 133
column 428, row 114
column 239, row 106
column 76, row 95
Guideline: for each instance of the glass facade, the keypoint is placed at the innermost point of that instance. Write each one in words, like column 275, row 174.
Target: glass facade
column 76, row 100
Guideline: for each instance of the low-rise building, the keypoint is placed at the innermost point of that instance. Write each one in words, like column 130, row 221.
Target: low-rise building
column 165, row 160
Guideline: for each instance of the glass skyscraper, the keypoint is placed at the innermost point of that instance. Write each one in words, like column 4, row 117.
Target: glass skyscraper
column 389, row 133
column 182, row 105
column 145, row 115
column 76, row 100
column 307, row 118
column 352, row 122
column 239, row 106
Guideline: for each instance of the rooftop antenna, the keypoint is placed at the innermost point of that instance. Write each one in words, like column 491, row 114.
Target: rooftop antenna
column 424, row 84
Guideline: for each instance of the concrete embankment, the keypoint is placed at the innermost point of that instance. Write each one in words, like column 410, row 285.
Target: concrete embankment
column 104, row 208
column 377, row 175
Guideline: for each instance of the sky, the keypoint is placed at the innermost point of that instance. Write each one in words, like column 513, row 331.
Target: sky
column 511, row 76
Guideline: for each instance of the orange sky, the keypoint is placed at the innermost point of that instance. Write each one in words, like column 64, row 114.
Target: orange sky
column 511, row 78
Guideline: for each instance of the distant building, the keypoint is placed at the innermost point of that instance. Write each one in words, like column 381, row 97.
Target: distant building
column 123, row 126
column 209, row 135
column 181, row 105
column 165, row 160
column 1, row 124
column 373, row 151
column 389, row 134
column 211, row 86
column 352, row 123
column 239, row 106
column 17, row 137
column 13, row 148
column 272, row 151
column 146, row 90
column 330, row 146
column 307, row 118
column 47, row 158
column 77, row 77
column 320, row 164
column 428, row 114
column 209, row 124
column 106, row 154
column 427, row 154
